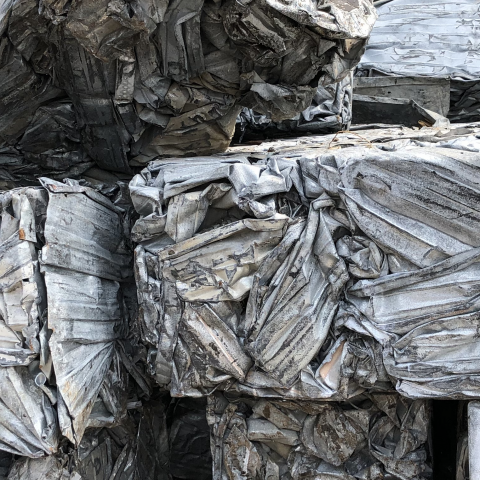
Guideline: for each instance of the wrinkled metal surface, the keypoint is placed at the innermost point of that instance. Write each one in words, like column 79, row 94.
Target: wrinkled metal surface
column 64, row 254
column 439, row 39
column 28, row 422
column 383, row 436
column 310, row 271
column 121, row 83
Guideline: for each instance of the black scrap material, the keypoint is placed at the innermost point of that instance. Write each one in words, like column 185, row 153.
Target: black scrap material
column 119, row 83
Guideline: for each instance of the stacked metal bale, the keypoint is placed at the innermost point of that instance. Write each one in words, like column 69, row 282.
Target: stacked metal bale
column 66, row 361
column 272, row 283
column 429, row 41
column 118, row 83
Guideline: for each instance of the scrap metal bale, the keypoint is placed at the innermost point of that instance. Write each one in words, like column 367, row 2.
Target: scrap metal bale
column 129, row 82
column 431, row 39
column 64, row 259
column 369, row 437
column 313, row 272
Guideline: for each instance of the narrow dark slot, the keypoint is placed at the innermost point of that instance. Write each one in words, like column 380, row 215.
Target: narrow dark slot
column 444, row 438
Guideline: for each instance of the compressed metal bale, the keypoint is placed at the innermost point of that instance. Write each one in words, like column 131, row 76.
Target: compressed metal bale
column 436, row 40
column 200, row 345
column 369, row 437
column 165, row 78
column 64, row 254
column 346, row 285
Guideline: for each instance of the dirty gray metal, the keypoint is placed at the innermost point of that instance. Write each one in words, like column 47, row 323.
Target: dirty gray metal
column 28, row 422
column 474, row 439
column 47, row 468
column 382, row 435
column 429, row 92
column 64, row 256
column 462, row 470
column 280, row 273
column 369, row 109
column 125, row 83
column 432, row 39
column 133, row 450
column 330, row 111
column 212, row 304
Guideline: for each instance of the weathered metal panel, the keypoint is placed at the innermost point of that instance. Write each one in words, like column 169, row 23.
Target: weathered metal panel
column 431, row 93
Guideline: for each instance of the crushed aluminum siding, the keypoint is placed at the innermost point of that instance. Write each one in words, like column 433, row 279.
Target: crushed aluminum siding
column 121, row 84
column 70, row 314
column 439, row 39
column 301, row 322
column 367, row 438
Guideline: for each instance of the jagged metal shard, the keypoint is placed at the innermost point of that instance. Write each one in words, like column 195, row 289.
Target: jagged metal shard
column 63, row 256
column 121, row 83
column 381, row 435
column 313, row 273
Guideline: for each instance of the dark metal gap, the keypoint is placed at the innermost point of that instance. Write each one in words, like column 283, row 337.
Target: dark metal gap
column 445, row 431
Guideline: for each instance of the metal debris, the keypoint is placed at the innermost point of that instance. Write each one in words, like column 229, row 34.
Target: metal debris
column 290, row 313
column 330, row 111
column 429, row 39
column 64, row 254
column 121, row 83
column 371, row 437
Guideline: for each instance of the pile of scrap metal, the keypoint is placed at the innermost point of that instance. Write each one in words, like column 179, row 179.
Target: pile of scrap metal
column 272, row 279
column 424, row 55
column 68, row 368
column 118, row 83
column 372, row 437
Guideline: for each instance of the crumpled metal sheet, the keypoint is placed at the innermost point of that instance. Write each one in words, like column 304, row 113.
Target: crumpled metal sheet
column 28, row 422
column 330, row 111
column 160, row 78
column 371, row 437
column 64, row 254
column 21, row 286
column 246, row 303
column 137, row 448
column 83, row 259
column 434, row 40
column 437, row 40
column 47, row 468
column 369, row 277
